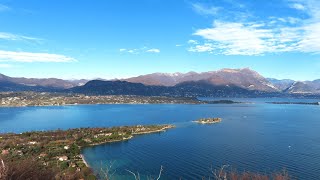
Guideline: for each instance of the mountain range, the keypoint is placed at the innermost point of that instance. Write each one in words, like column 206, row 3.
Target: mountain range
column 37, row 82
column 243, row 78
column 224, row 82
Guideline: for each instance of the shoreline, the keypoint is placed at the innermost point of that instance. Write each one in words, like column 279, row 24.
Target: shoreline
column 101, row 104
column 68, row 145
column 124, row 139
column 155, row 131
column 106, row 142
column 84, row 160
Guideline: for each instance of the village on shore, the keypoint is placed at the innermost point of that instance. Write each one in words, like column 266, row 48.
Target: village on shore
column 21, row 99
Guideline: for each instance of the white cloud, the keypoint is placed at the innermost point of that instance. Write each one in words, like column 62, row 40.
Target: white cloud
column 140, row 50
column 28, row 57
column 291, row 20
column 153, row 51
column 207, row 47
column 273, row 35
column 205, row 10
column 310, row 7
column 298, row 6
column 16, row 37
column 4, row 8
column 132, row 51
column 6, row 66
column 237, row 38
column 311, row 39
column 192, row 42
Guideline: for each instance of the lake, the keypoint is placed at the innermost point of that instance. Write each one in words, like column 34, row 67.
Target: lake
column 256, row 137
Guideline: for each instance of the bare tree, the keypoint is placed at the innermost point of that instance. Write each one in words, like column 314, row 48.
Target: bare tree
column 137, row 175
column 161, row 169
column 108, row 172
column 221, row 174
column 3, row 170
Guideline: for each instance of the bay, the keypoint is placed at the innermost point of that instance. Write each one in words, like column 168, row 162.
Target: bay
column 256, row 137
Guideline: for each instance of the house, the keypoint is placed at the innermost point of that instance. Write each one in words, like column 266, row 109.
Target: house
column 66, row 147
column 42, row 155
column 102, row 134
column 5, row 152
column 32, row 142
column 63, row 158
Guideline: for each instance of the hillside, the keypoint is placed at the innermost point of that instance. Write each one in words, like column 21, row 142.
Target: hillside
column 185, row 89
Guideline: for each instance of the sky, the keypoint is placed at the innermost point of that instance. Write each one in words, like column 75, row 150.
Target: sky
column 87, row 39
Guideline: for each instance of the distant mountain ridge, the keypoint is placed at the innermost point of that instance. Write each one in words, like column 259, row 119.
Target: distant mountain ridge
column 6, row 86
column 224, row 82
column 244, row 78
column 282, row 84
column 305, row 87
column 45, row 82
column 297, row 87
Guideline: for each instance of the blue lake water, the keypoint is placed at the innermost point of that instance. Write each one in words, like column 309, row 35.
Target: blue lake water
column 255, row 137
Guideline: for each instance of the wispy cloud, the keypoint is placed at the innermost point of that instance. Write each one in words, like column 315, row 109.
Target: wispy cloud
column 298, row 6
column 191, row 41
column 28, row 57
column 6, row 66
column 274, row 35
column 205, row 10
column 4, row 8
column 140, row 50
column 153, row 50
column 218, row 9
column 16, row 37
column 207, row 47
column 131, row 51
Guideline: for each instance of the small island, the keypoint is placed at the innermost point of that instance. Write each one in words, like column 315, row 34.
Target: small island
column 57, row 154
column 208, row 120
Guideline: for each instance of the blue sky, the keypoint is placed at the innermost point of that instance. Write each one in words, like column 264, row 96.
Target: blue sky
column 122, row 38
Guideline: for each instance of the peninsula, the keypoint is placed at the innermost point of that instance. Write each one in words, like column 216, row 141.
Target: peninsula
column 58, row 153
column 208, row 120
